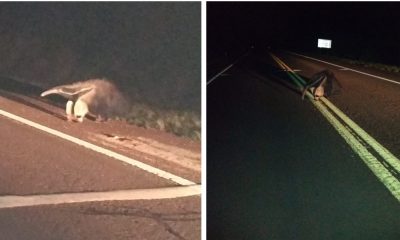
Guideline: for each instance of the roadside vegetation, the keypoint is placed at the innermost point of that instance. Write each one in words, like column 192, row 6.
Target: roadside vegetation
column 367, row 62
column 380, row 66
column 179, row 122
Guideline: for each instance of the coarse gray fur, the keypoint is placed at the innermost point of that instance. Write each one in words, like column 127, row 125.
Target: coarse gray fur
column 321, row 84
column 102, row 97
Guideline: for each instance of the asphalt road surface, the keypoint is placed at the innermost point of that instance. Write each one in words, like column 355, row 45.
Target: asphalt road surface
column 35, row 164
column 277, row 169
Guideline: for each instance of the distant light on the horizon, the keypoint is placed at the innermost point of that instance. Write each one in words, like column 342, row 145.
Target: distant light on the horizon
column 324, row 43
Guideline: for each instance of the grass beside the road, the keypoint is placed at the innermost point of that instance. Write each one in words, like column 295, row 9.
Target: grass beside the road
column 363, row 63
column 355, row 61
column 179, row 122
column 380, row 66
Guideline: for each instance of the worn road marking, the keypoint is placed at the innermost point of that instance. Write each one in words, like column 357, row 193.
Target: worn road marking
column 349, row 69
column 231, row 65
column 120, row 157
column 294, row 70
column 220, row 73
column 382, row 173
column 381, row 150
column 120, row 195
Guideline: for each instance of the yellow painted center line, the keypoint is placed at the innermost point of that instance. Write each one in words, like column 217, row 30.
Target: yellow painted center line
column 381, row 150
column 383, row 174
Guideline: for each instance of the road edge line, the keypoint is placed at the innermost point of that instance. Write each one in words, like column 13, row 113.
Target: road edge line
column 118, row 195
column 336, row 65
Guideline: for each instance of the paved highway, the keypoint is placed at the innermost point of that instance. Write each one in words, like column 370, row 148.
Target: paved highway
column 53, row 188
column 278, row 169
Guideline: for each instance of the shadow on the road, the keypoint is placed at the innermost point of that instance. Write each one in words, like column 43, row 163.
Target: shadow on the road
column 264, row 70
column 24, row 93
column 160, row 218
column 260, row 67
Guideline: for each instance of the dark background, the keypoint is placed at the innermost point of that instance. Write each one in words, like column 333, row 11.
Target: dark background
column 359, row 30
column 271, row 174
column 151, row 50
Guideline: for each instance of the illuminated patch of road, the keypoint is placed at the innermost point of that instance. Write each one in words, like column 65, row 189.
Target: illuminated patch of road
column 351, row 134
column 121, row 195
column 117, row 156
column 345, row 68
column 381, row 150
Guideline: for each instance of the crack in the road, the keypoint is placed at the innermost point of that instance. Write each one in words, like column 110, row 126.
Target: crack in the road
column 160, row 218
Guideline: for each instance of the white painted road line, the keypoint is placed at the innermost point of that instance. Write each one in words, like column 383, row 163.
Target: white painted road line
column 220, row 73
column 228, row 67
column 294, row 70
column 345, row 68
column 120, row 157
column 120, row 195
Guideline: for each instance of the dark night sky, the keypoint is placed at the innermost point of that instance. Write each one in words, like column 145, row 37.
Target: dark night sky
column 358, row 29
column 151, row 50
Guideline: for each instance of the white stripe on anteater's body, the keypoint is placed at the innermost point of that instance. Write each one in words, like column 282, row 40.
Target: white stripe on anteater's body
column 96, row 96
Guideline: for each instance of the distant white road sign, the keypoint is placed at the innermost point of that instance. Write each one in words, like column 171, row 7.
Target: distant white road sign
column 324, row 43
